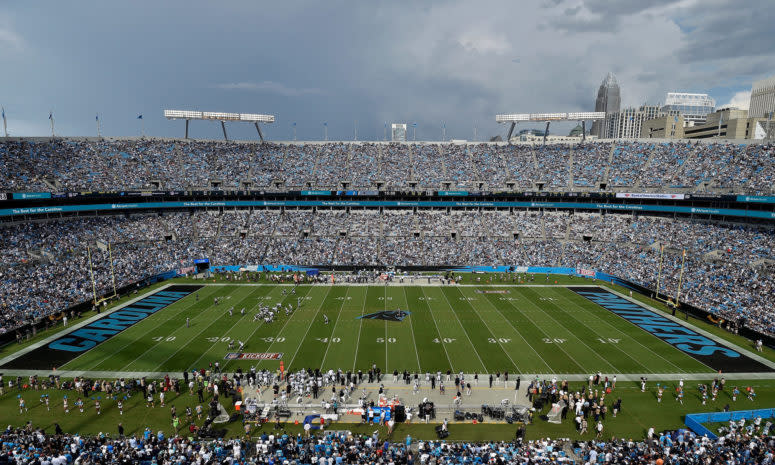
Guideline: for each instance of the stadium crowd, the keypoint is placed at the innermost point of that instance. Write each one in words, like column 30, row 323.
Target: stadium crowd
column 727, row 270
column 102, row 165
column 30, row 445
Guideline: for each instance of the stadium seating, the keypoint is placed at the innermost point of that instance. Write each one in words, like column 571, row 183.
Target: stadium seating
column 728, row 267
column 35, row 165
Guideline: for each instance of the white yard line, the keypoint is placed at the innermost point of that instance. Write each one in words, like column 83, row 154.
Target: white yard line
column 496, row 338
column 441, row 338
column 271, row 344
column 227, row 331
column 112, row 354
column 411, row 327
column 205, row 329
column 312, row 322
column 464, row 330
column 262, row 324
column 518, row 333
column 57, row 335
column 360, row 327
column 626, row 336
column 574, row 336
column 333, row 331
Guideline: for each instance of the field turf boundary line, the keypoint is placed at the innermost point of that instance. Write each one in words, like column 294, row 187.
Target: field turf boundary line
column 81, row 324
column 696, row 328
column 634, row 377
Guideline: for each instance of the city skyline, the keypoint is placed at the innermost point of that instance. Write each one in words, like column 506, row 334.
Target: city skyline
column 452, row 64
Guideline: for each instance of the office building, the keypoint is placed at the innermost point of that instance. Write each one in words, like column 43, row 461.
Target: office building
column 627, row 123
column 693, row 107
column 762, row 98
column 608, row 100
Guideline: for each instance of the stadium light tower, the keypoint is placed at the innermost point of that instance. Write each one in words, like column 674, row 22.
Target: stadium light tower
column 548, row 118
column 222, row 118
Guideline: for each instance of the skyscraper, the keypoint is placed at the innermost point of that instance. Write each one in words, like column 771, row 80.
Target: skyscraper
column 762, row 98
column 608, row 100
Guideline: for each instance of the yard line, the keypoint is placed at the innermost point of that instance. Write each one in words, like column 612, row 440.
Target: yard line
column 333, row 331
column 269, row 349
column 205, row 329
column 625, row 334
column 464, row 329
column 545, row 334
column 496, row 338
column 173, row 333
column 579, row 339
column 360, row 327
column 171, row 316
column 521, row 336
column 288, row 296
column 384, row 307
column 290, row 364
column 441, row 338
column 227, row 331
column 411, row 326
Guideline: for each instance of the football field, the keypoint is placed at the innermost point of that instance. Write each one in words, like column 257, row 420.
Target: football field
column 472, row 329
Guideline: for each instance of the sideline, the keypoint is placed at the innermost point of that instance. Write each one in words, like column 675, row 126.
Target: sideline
column 83, row 323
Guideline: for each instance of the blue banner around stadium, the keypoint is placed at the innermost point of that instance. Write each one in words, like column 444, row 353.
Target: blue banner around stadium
column 386, row 204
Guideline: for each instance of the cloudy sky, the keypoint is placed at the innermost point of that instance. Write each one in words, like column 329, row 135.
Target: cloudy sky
column 454, row 62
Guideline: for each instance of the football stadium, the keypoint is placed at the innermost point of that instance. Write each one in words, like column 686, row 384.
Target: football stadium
column 595, row 298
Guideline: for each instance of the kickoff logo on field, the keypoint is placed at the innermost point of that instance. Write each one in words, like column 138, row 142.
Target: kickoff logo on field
column 253, row 356
column 78, row 341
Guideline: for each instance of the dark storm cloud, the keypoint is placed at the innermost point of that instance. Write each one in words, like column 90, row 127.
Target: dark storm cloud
column 455, row 61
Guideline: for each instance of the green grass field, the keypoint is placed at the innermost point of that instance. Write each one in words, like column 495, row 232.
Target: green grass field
column 529, row 330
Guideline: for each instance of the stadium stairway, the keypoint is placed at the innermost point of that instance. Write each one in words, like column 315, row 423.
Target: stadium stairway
column 570, row 170
column 444, row 171
column 607, row 172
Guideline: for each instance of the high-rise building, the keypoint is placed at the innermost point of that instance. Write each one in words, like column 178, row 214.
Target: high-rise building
column 608, row 100
column 693, row 107
column 627, row 123
column 762, row 98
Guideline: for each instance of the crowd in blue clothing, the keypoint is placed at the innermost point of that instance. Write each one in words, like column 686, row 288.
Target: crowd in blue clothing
column 122, row 164
column 31, row 446
column 728, row 268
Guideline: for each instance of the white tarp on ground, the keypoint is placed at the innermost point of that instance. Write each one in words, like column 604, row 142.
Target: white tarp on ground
column 555, row 413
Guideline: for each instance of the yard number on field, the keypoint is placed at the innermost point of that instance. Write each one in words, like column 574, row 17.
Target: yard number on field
column 446, row 340
column 164, row 339
column 555, row 340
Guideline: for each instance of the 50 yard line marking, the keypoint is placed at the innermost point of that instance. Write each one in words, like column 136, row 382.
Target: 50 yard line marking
column 333, row 331
column 384, row 308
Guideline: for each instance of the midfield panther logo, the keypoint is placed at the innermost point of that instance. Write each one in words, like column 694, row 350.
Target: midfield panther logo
column 389, row 315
